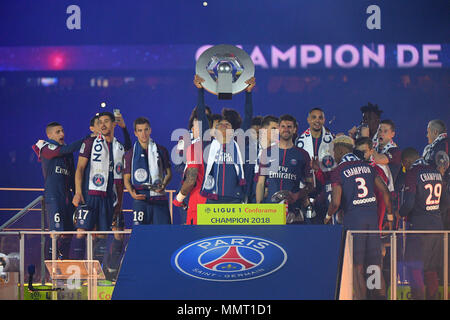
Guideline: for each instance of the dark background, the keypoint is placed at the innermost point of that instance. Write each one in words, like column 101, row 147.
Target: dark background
column 163, row 91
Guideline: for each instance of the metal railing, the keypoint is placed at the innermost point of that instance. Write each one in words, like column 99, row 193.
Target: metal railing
column 31, row 208
column 54, row 235
column 24, row 211
column 347, row 269
column 5, row 230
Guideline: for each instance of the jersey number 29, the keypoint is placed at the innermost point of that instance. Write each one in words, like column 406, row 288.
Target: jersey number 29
column 435, row 191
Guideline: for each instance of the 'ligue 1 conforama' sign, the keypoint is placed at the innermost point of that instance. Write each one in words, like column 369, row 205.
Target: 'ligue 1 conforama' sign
column 241, row 214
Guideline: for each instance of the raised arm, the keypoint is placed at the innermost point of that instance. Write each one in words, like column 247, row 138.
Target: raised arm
column 201, row 107
column 248, row 108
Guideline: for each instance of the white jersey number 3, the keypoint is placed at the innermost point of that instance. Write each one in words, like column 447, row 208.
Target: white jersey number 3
column 362, row 186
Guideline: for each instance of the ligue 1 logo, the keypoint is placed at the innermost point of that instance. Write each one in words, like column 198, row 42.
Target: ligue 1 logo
column 140, row 175
column 229, row 258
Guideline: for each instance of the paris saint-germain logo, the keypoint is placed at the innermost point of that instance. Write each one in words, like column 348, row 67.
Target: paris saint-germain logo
column 229, row 258
column 98, row 180
column 328, row 161
column 119, row 168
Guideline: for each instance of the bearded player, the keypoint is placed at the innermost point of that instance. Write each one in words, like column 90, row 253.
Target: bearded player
column 94, row 183
column 59, row 170
column 317, row 141
column 283, row 166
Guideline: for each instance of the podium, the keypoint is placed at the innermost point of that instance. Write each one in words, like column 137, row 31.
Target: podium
column 75, row 271
column 231, row 262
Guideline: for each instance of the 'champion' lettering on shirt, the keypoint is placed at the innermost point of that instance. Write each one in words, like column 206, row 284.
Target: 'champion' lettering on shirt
column 430, row 177
column 356, row 171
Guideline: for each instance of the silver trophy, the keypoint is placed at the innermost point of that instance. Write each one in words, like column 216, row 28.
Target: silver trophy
column 310, row 212
column 280, row 197
column 225, row 69
column 152, row 186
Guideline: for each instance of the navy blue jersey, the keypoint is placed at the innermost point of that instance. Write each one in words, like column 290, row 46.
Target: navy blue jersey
column 58, row 168
column 59, row 171
column 251, row 178
column 425, row 183
column 357, row 179
column 394, row 156
column 227, row 180
column 294, row 167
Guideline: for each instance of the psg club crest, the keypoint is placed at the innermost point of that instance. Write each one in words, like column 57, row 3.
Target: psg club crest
column 98, row 180
column 327, row 162
column 119, row 168
column 229, row 258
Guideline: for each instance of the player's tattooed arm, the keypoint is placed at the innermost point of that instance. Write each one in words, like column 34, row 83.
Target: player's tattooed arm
column 189, row 182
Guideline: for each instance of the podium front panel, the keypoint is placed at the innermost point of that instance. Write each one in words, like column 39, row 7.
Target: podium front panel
column 175, row 262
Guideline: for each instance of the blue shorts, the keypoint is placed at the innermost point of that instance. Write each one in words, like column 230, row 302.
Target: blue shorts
column 366, row 247
column 424, row 251
column 99, row 215
column 59, row 213
column 151, row 212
